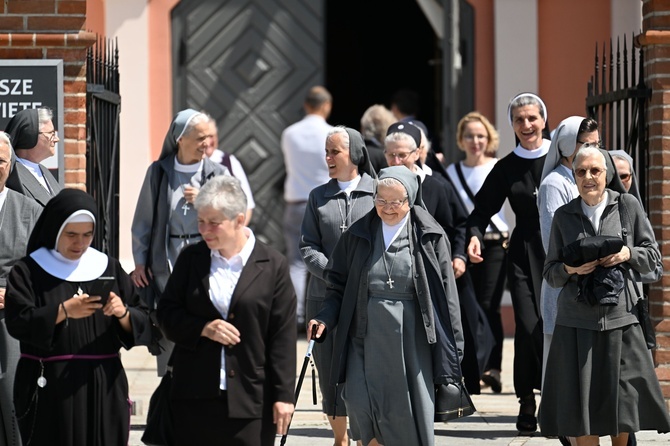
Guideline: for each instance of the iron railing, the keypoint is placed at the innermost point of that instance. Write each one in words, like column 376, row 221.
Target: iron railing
column 617, row 98
column 103, row 105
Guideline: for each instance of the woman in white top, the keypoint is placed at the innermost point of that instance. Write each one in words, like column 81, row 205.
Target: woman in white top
column 477, row 137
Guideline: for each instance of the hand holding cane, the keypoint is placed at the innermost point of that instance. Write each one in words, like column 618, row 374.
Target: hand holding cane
column 308, row 357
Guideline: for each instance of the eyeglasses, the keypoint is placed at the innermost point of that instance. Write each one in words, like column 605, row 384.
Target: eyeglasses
column 400, row 156
column 391, row 204
column 594, row 171
column 50, row 135
column 624, row 176
column 597, row 144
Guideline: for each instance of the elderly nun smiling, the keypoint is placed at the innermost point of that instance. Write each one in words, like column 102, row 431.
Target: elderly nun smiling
column 385, row 297
column 600, row 377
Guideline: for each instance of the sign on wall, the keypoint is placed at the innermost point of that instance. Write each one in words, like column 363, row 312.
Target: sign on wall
column 30, row 83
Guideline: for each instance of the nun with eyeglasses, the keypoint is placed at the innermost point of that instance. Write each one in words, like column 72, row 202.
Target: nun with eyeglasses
column 70, row 386
column 392, row 295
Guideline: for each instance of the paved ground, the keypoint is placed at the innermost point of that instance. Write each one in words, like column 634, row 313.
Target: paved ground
column 492, row 425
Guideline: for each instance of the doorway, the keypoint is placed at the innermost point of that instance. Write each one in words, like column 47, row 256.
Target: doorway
column 373, row 49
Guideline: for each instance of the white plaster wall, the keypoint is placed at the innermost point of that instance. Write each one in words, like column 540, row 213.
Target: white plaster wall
column 516, row 59
column 127, row 20
column 516, row 68
column 626, row 19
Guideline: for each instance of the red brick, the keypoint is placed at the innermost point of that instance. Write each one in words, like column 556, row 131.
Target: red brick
column 660, row 311
column 74, row 70
column 74, row 101
column 663, row 326
column 4, row 39
column 656, row 51
column 663, row 373
column 11, row 23
column 32, row 7
column 72, row 7
column 662, row 356
column 663, row 341
column 655, row 6
column 75, row 131
column 57, row 40
column 661, row 113
column 75, row 178
column 20, row 53
column 74, row 87
column 75, row 162
column 56, row 23
column 67, row 54
column 75, row 116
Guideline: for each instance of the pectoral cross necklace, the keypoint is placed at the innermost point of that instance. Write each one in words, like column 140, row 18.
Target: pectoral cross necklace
column 390, row 282
column 185, row 207
column 345, row 218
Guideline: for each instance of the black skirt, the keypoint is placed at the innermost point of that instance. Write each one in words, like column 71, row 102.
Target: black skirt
column 601, row 383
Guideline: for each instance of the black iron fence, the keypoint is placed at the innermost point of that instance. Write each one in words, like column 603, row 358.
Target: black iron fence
column 103, row 105
column 617, row 98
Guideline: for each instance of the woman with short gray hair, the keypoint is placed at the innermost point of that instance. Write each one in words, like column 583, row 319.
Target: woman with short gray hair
column 229, row 307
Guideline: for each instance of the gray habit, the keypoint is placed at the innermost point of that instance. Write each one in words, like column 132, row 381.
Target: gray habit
column 389, row 387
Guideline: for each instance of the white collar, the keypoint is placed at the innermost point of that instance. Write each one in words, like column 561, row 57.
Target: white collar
column 533, row 154
column 3, row 197
column 391, row 232
column 349, row 186
column 246, row 250
column 91, row 265
column 420, row 172
column 187, row 168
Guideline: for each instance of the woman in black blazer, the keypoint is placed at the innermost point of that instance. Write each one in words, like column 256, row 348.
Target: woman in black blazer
column 230, row 309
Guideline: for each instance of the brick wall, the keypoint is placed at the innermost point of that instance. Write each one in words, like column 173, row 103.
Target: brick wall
column 53, row 29
column 655, row 39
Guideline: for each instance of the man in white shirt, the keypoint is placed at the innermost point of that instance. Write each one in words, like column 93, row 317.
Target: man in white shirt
column 303, row 146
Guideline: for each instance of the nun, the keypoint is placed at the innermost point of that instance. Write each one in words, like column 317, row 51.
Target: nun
column 558, row 187
column 165, row 220
column 331, row 209
column 70, row 386
column 34, row 139
column 392, row 295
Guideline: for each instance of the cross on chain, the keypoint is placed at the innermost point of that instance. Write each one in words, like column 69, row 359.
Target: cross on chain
column 390, row 283
column 185, row 208
column 343, row 227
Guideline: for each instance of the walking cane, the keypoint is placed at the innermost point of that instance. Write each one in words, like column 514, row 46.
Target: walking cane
column 308, row 357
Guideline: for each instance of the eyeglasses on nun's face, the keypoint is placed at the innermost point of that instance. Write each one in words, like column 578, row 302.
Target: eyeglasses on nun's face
column 50, row 135
column 594, row 171
column 402, row 156
column 596, row 145
column 395, row 204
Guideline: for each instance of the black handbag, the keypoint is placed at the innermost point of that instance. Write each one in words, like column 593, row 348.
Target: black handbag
column 452, row 401
column 642, row 305
column 158, row 431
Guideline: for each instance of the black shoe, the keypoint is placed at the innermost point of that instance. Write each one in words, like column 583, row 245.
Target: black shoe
column 526, row 423
column 492, row 379
column 632, row 441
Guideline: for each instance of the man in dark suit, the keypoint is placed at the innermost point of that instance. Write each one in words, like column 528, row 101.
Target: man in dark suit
column 18, row 215
column 229, row 307
column 34, row 140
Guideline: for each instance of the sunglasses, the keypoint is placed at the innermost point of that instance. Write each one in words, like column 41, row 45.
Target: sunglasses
column 594, row 171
